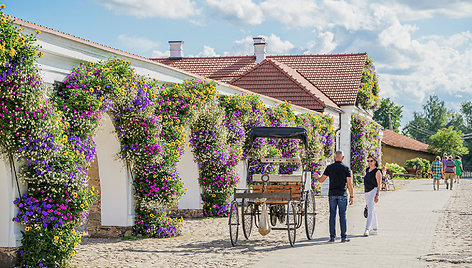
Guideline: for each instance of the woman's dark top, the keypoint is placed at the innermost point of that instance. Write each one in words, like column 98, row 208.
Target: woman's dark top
column 370, row 182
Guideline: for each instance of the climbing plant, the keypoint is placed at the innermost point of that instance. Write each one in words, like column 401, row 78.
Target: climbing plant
column 365, row 141
column 368, row 93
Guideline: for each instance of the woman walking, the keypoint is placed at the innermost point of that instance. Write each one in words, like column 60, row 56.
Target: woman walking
column 437, row 171
column 372, row 181
column 459, row 168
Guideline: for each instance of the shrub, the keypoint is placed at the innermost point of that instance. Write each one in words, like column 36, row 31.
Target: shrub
column 395, row 168
column 420, row 164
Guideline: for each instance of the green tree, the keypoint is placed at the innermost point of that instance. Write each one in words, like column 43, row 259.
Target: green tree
column 466, row 110
column 448, row 140
column 434, row 116
column 381, row 115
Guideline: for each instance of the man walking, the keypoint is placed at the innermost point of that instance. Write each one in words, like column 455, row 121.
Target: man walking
column 443, row 160
column 339, row 177
column 449, row 172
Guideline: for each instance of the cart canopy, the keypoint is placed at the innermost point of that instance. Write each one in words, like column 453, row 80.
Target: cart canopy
column 280, row 133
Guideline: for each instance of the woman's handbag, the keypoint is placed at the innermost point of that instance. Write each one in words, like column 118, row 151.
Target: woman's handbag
column 366, row 212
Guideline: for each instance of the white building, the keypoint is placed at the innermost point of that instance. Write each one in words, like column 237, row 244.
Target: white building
column 63, row 53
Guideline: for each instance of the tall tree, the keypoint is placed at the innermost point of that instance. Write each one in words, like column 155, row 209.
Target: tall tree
column 381, row 115
column 447, row 140
column 434, row 116
column 466, row 110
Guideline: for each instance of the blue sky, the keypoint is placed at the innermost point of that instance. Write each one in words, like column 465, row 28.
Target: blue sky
column 419, row 47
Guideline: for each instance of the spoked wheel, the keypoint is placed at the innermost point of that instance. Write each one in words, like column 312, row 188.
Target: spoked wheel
column 247, row 216
column 300, row 214
column 291, row 222
column 310, row 214
column 233, row 222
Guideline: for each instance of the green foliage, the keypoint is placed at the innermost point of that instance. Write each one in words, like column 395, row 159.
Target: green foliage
column 381, row 115
column 48, row 247
column 17, row 47
column 447, row 140
column 357, row 180
column 368, row 94
column 434, row 116
column 466, row 110
column 395, row 168
column 217, row 158
column 419, row 164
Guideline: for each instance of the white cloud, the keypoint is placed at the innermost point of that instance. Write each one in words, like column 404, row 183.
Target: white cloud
column 159, row 54
column 207, row 52
column 275, row 46
column 174, row 9
column 398, row 35
column 137, row 43
column 293, row 13
column 438, row 65
column 324, row 44
column 243, row 47
column 242, row 12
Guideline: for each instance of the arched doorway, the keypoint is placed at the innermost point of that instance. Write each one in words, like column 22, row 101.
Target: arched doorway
column 113, row 215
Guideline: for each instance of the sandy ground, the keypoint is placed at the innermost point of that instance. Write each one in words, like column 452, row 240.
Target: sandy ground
column 205, row 243
column 452, row 246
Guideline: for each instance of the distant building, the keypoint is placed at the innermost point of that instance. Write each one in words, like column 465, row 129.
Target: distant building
column 397, row 148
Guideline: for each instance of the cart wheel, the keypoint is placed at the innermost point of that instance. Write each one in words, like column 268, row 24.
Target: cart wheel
column 300, row 214
column 233, row 222
column 247, row 215
column 291, row 222
column 310, row 214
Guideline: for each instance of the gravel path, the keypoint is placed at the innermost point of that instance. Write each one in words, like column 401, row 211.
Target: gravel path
column 452, row 246
column 205, row 243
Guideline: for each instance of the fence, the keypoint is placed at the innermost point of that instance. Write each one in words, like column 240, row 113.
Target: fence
column 467, row 173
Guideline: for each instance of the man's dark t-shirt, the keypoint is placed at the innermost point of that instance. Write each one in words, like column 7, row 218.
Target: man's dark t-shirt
column 337, row 173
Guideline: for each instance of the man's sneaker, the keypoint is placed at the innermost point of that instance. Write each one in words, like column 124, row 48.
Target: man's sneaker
column 331, row 240
column 366, row 233
column 374, row 232
column 345, row 240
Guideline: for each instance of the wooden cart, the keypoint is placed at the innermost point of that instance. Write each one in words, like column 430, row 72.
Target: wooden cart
column 289, row 198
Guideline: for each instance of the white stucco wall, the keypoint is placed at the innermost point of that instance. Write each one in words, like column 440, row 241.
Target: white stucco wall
column 344, row 138
column 117, row 208
column 10, row 234
column 241, row 169
column 188, row 172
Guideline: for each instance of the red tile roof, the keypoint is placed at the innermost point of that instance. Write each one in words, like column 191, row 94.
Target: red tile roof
column 286, row 84
column 397, row 140
column 337, row 76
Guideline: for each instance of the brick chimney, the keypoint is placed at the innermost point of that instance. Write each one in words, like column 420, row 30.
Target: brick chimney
column 176, row 50
column 259, row 48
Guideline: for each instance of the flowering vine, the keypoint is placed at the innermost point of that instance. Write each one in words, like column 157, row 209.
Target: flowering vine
column 368, row 94
column 365, row 141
